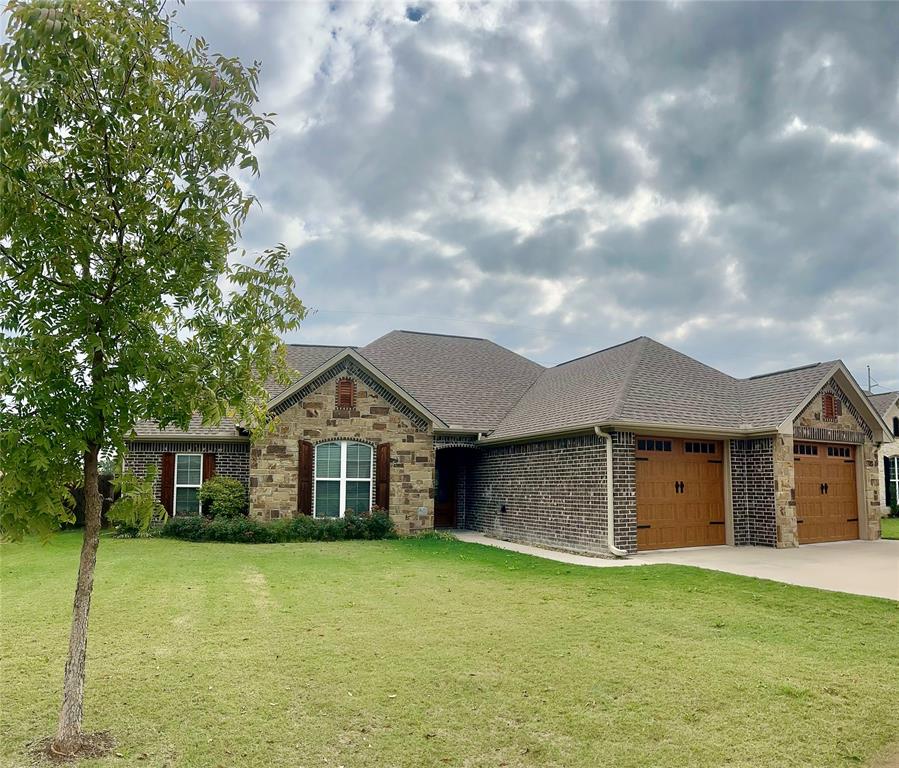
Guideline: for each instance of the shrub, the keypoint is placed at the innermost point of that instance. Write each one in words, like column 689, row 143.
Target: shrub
column 127, row 531
column 224, row 497
column 371, row 525
column 894, row 510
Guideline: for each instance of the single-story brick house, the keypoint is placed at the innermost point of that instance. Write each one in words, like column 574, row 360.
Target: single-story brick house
column 887, row 404
column 633, row 447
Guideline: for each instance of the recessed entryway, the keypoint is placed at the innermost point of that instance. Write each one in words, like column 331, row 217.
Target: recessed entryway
column 826, row 492
column 680, row 492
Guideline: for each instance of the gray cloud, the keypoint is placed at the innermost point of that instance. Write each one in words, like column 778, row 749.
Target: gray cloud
column 721, row 176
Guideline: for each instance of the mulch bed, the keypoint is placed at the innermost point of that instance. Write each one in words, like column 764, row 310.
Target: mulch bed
column 93, row 745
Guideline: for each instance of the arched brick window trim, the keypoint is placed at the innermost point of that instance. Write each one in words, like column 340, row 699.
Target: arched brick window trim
column 382, row 476
column 304, row 478
column 346, row 394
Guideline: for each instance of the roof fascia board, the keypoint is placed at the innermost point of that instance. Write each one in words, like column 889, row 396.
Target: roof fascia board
column 451, row 430
column 656, row 428
column 860, row 401
column 349, row 352
column 690, row 430
column 187, row 438
column 535, row 436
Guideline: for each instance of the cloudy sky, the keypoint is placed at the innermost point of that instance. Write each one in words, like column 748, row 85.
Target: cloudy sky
column 559, row 178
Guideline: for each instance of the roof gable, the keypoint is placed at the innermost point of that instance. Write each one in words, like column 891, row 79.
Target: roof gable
column 351, row 361
column 847, row 384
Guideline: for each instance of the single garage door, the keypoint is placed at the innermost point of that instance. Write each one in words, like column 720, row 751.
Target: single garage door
column 680, row 493
column 826, row 498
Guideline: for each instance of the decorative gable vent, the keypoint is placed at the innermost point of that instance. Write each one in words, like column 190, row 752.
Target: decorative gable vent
column 346, row 394
column 831, row 407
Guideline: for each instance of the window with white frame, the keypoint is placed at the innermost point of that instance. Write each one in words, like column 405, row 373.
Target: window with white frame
column 343, row 471
column 188, row 478
column 892, row 494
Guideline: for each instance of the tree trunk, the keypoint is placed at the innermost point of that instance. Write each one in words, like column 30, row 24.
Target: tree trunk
column 68, row 730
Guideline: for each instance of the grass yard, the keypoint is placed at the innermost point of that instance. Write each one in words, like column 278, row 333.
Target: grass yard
column 889, row 527
column 437, row 653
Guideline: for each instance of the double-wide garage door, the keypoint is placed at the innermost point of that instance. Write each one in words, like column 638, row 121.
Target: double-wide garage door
column 680, row 492
column 826, row 496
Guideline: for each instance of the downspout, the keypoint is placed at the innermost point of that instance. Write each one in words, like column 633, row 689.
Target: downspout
column 610, row 506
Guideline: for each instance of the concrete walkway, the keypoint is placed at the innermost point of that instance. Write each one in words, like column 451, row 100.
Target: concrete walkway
column 857, row 567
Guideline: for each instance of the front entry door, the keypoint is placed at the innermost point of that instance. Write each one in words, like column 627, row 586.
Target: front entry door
column 445, row 492
column 680, row 492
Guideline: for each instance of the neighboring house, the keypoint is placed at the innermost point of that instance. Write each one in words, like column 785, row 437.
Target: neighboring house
column 887, row 404
column 634, row 447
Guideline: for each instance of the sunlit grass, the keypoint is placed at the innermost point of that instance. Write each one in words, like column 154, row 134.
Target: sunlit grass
column 889, row 528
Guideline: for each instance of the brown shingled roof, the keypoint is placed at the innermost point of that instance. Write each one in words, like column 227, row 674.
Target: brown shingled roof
column 474, row 384
column 470, row 383
column 300, row 359
column 196, row 431
column 883, row 401
column 645, row 382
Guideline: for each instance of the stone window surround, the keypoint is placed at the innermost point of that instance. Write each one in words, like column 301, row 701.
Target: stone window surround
column 342, row 478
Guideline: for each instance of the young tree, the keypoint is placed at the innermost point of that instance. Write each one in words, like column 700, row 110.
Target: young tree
column 120, row 209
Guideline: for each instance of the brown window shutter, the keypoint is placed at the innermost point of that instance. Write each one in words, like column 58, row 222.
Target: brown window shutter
column 304, row 479
column 827, row 409
column 837, row 406
column 167, row 482
column 382, row 475
column 208, row 466
column 345, row 393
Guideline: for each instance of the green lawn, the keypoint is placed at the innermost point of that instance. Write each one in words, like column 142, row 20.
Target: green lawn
column 890, row 527
column 437, row 653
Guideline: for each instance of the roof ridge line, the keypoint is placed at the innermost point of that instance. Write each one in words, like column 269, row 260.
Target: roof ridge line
column 598, row 351
column 694, row 359
column 330, row 346
column 445, row 335
column 783, row 370
column 628, row 378
column 530, row 386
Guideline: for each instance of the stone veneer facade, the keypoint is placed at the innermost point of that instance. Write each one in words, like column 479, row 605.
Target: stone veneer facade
column 850, row 428
column 551, row 493
column 313, row 416
column 887, row 451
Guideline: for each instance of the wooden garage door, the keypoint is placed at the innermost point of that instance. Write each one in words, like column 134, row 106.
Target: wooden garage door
column 680, row 493
column 826, row 499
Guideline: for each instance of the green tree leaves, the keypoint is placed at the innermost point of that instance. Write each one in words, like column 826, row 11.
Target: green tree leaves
column 121, row 294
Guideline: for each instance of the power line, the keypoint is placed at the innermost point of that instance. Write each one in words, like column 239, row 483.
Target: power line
column 450, row 318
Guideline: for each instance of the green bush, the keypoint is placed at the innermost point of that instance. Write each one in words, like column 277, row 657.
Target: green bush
column 127, row 531
column 371, row 525
column 223, row 497
column 894, row 510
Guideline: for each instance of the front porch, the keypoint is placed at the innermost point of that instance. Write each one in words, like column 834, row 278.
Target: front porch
column 453, row 466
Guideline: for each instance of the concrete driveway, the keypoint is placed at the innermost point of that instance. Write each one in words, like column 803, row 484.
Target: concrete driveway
column 858, row 567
